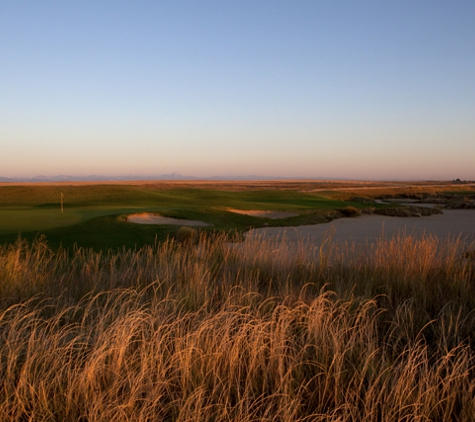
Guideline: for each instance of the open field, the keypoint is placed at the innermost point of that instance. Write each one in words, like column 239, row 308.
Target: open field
column 94, row 213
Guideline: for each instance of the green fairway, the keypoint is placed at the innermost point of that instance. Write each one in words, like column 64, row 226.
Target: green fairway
column 93, row 214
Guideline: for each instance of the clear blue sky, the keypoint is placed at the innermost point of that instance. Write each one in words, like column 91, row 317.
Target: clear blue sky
column 347, row 89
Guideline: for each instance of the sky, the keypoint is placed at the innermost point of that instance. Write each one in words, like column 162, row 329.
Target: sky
column 377, row 90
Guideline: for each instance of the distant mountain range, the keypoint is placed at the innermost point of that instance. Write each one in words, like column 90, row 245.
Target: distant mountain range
column 172, row 176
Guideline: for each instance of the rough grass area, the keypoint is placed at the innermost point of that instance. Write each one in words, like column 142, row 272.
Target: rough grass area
column 257, row 331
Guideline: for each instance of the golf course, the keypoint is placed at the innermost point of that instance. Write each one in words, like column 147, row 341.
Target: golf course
column 237, row 211
column 96, row 215
column 183, row 302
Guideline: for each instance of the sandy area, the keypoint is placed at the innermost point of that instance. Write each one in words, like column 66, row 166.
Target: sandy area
column 151, row 218
column 368, row 228
column 275, row 215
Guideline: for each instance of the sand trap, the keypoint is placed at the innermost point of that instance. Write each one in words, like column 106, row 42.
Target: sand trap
column 275, row 215
column 151, row 218
column 369, row 228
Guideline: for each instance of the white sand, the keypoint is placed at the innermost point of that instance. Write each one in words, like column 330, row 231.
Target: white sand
column 369, row 228
column 275, row 215
column 151, row 218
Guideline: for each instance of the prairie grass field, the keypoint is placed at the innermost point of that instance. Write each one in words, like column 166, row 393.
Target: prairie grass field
column 105, row 320
column 246, row 332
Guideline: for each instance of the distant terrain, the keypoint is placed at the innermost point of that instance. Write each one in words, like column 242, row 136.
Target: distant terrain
column 102, row 178
column 170, row 176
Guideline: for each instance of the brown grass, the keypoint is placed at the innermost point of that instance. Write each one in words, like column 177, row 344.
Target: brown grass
column 335, row 188
column 258, row 331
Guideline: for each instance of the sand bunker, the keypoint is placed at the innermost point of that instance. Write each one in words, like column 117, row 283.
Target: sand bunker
column 151, row 218
column 275, row 215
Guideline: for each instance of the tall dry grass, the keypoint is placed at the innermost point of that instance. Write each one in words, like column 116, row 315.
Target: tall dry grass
column 258, row 331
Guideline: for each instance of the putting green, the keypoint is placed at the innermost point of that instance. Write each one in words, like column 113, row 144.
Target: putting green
column 15, row 220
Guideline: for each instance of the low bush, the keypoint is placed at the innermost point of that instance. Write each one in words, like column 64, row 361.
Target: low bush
column 350, row 211
column 187, row 235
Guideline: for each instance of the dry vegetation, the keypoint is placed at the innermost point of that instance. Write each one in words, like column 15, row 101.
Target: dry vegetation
column 249, row 332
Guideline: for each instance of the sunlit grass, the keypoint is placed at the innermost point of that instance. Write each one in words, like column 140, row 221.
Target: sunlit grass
column 257, row 330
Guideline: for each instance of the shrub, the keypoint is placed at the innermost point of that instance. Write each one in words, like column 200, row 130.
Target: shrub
column 350, row 211
column 187, row 235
